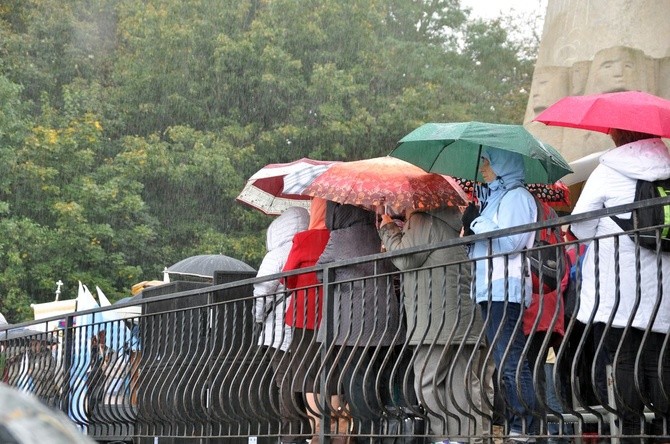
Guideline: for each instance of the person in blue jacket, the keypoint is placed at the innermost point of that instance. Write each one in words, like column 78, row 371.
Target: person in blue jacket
column 503, row 203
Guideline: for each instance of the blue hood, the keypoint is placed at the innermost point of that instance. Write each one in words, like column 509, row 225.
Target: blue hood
column 508, row 167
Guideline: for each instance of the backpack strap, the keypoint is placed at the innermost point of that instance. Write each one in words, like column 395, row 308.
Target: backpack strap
column 662, row 191
column 626, row 224
column 541, row 216
column 642, row 188
column 505, row 193
column 540, row 210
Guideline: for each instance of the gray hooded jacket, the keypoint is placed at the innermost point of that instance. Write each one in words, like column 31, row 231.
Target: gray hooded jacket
column 367, row 311
column 437, row 298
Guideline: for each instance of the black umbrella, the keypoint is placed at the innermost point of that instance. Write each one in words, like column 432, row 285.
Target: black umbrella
column 205, row 265
column 28, row 333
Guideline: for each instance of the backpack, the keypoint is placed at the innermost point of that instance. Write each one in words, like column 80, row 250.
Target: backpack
column 547, row 265
column 650, row 216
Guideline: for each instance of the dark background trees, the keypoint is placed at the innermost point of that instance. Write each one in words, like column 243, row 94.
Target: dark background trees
column 127, row 128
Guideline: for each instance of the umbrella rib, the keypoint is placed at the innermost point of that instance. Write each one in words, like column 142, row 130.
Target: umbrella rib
column 430, row 169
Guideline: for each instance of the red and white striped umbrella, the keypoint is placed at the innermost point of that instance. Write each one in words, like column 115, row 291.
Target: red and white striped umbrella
column 265, row 189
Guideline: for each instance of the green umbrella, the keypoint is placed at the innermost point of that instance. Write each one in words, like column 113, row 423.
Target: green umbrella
column 455, row 149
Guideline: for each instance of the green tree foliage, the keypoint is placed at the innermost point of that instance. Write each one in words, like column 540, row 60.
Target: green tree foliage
column 501, row 76
column 70, row 213
column 127, row 128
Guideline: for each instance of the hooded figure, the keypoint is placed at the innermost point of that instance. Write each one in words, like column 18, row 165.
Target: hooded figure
column 613, row 183
column 270, row 303
column 443, row 323
column 638, row 355
column 367, row 309
column 504, row 203
column 269, row 309
column 366, row 318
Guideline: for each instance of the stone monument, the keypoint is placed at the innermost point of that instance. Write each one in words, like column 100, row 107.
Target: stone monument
column 595, row 46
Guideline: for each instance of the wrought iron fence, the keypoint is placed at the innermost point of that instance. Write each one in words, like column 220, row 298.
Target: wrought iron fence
column 398, row 355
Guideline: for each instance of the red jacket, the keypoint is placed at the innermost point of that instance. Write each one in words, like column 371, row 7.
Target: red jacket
column 545, row 304
column 549, row 301
column 304, row 309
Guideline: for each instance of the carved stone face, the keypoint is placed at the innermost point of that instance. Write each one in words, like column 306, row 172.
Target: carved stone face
column 549, row 85
column 617, row 69
column 579, row 73
column 605, row 46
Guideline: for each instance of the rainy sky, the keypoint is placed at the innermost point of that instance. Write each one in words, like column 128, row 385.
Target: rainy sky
column 492, row 8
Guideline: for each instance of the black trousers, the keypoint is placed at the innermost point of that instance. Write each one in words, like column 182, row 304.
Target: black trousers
column 639, row 385
column 294, row 422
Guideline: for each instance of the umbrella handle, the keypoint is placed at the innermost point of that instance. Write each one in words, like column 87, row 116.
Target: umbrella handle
column 479, row 157
column 379, row 211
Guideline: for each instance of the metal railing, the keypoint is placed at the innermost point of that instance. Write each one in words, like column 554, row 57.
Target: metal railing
column 191, row 365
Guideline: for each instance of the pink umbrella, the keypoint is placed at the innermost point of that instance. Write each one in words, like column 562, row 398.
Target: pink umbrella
column 628, row 110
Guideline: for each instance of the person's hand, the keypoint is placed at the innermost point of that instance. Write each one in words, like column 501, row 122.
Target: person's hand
column 470, row 214
column 385, row 220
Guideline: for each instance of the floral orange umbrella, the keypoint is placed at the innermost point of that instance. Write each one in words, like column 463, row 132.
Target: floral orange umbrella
column 386, row 181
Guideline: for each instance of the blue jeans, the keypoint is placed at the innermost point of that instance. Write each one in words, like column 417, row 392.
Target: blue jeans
column 520, row 403
column 553, row 401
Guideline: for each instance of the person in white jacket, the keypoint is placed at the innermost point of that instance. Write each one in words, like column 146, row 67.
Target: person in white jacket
column 605, row 295
column 269, row 311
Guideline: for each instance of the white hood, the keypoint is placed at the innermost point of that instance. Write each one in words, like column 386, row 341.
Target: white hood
column 646, row 159
column 283, row 228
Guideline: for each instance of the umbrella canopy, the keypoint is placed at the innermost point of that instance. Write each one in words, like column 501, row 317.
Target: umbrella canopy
column 204, row 265
column 28, row 333
column 455, row 149
column 264, row 189
column 386, row 181
column 627, row 110
column 296, row 182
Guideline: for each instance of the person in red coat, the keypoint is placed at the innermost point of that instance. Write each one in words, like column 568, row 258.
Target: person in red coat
column 304, row 310
column 547, row 308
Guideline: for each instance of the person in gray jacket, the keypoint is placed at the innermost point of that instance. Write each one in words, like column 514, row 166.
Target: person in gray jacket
column 366, row 320
column 451, row 373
